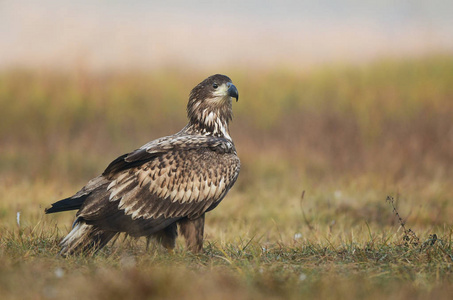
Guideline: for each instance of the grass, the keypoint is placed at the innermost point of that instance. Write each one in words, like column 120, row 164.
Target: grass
column 321, row 151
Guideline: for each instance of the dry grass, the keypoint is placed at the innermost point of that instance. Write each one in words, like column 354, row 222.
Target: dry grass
column 308, row 217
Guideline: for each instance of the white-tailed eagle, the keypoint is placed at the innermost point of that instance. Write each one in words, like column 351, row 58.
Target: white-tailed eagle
column 168, row 183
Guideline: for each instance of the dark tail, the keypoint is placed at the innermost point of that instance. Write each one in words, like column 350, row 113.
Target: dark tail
column 66, row 204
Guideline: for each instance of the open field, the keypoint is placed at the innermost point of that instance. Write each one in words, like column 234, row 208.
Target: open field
column 321, row 150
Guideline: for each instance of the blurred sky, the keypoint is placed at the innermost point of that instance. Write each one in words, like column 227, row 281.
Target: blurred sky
column 212, row 34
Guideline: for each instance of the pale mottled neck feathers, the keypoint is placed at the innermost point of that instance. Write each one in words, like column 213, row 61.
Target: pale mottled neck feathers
column 207, row 120
column 212, row 123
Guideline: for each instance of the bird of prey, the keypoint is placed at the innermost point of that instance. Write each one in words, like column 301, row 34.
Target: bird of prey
column 168, row 183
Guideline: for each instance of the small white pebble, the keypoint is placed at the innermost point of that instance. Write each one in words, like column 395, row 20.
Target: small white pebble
column 302, row 277
column 59, row 272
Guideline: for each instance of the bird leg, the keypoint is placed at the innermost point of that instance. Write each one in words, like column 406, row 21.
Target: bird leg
column 192, row 231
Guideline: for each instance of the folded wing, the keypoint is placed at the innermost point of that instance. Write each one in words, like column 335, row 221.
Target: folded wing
column 162, row 182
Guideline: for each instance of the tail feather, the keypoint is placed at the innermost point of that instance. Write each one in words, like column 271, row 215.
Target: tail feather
column 94, row 186
column 85, row 238
column 66, row 204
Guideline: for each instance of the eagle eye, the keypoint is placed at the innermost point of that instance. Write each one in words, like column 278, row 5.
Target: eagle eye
column 215, row 85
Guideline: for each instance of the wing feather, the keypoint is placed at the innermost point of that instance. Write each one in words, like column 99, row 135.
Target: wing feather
column 169, row 179
column 179, row 189
column 188, row 192
column 119, row 188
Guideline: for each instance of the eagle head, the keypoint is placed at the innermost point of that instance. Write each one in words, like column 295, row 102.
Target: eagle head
column 210, row 103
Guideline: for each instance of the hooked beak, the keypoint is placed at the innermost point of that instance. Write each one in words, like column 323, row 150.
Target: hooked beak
column 233, row 91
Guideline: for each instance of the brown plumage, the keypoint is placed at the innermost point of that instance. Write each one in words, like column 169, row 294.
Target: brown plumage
column 168, row 183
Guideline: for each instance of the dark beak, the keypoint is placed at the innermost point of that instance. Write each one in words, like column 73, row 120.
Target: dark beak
column 233, row 92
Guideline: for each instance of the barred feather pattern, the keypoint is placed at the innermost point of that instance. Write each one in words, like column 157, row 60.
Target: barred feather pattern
column 181, row 176
column 177, row 183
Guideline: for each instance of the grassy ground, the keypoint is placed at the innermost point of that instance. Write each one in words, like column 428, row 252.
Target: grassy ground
column 321, row 150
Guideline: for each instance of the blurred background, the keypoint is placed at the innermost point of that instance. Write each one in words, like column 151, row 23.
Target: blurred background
column 100, row 35
column 349, row 101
